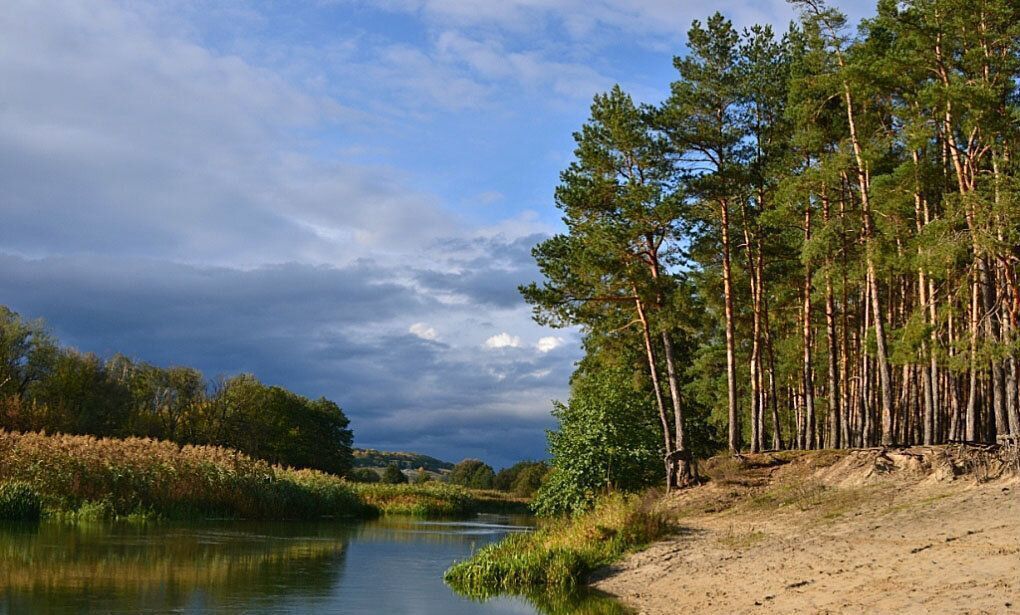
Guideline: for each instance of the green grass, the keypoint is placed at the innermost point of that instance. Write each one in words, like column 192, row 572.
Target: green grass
column 562, row 553
column 19, row 502
column 434, row 499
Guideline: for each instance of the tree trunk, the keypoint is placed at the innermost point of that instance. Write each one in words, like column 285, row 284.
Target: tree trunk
column 834, row 435
column 807, row 372
column 735, row 434
column 654, row 373
column 681, row 458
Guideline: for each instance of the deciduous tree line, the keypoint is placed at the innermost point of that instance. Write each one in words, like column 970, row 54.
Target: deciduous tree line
column 44, row 387
column 814, row 240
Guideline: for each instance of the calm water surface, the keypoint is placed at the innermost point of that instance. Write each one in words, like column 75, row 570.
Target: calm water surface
column 392, row 565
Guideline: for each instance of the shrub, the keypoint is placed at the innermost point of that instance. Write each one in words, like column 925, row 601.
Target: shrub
column 393, row 475
column 364, row 475
column 19, row 502
column 522, row 479
column 472, row 473
column 529, row 480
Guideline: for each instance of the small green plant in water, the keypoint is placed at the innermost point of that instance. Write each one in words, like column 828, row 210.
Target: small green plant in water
column 19, row 502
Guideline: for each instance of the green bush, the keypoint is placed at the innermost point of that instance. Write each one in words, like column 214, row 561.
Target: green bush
column 364, row 475
column 19, row 502
column 522, row 479
column 472, row 473
column 393, row 475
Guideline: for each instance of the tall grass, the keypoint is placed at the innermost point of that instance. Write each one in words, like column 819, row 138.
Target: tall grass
column 80, row 477
column 109, row 476
column 563, row 552
column 424, row 500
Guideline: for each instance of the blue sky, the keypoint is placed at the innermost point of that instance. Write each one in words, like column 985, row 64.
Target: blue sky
column 339, row 196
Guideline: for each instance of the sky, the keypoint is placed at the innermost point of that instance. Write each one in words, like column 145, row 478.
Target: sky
column 339, row 196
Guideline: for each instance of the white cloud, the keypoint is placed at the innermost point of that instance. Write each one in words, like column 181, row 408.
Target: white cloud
column 423, row 331
column 503, row 340
column 547, row 344
column 137, row 139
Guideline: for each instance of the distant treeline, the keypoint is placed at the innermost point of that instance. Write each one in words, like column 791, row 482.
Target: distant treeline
column 46, row 387
column 371, row 458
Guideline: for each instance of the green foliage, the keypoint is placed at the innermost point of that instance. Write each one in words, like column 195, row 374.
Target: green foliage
column 27, row 352
column 560, row 554
column 371, row 458
column 81, row 478
column 606, row 439
column 421, row 477
column 522, row 479
column 435, row 499
column 364, row 475
column 45, row 388
column 472, row 473
column 19, row 502
column 101, row 478
column 393, row 476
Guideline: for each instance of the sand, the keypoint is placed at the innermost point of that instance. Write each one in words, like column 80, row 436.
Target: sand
column 866, row 533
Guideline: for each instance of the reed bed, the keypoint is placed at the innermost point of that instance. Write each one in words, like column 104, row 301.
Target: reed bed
column 425, row 500
column 435, row 499
column 83, row 477
column 137, row 476
column 563, row 552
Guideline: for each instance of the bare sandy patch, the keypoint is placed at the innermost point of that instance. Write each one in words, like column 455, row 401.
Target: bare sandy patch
column 934, row 530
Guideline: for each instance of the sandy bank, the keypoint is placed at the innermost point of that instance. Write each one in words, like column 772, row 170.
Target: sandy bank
column 919, row 531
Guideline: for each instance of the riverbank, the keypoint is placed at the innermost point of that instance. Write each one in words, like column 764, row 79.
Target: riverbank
column 922, row 530
column 80, row 477
column 562, row 552
column 804, row 531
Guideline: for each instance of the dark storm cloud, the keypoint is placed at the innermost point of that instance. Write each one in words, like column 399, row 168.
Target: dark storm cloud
column 185, row 205
column 331, row 331
column 488, row 270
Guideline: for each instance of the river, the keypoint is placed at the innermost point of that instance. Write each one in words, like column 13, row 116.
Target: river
column 392, row 565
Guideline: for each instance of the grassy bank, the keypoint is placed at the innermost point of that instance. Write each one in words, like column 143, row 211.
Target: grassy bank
column 434, row 499
column 87, row 477
column 563, row 552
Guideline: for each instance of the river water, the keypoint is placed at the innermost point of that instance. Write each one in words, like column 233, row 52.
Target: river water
column 393, row 565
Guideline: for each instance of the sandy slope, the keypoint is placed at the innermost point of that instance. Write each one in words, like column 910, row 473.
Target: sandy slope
column 865, row 533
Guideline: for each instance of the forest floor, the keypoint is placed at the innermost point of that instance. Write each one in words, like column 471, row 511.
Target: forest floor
column 922, row 530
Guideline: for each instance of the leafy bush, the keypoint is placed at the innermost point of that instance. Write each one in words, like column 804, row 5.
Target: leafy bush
column 607, row 440
column 393, row 475
column 364, row 475
column 522, row 479
column 529, row 480
column 19, row 502
column 472, row 473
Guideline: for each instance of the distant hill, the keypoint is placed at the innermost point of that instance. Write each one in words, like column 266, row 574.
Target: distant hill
column 371, row 458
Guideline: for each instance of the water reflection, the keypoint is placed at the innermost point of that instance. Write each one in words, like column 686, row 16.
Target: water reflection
column 393, row 565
